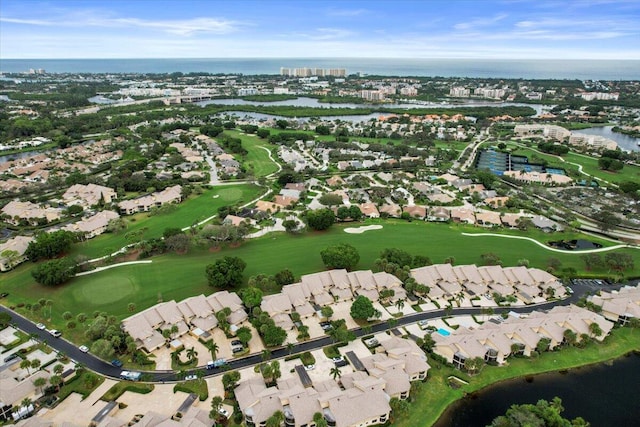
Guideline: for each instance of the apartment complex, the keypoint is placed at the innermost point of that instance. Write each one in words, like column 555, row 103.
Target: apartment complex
column 495, row 341
column 16, row 211
column 309, row 72
column 195, row 312
column 358, row 399
column 12, row 252
column 548, row 131
column 88, row 195
column 154, row 200
column 446, row 281
column 94, row 225
column 619, row 306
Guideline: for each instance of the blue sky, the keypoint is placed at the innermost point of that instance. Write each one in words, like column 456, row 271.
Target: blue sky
column 570, row 29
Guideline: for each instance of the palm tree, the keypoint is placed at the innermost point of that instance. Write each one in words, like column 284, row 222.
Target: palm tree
column 290, row 347
column 58, row 369
column 216, row 404
column 192, row 353
column 595, row 330
column 276, row 419
column 26, row 364
column 213, row 349
column 335, row 372
column 55, row 380
column 35, row 363
column 265, row 355
column 319, row 420
column 26, row 402
column 400, row 304
column 131, row 307
column 39, row 383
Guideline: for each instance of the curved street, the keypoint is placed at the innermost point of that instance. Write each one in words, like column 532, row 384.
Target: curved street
column 102, row 367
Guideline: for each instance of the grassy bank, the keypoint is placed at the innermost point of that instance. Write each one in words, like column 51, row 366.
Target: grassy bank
column 433, row 399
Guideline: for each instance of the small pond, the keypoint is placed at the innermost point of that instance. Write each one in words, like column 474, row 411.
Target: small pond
column 575, row 245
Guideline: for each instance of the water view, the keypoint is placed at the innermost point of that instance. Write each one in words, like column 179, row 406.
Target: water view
column 625, row 142
column 605, row 395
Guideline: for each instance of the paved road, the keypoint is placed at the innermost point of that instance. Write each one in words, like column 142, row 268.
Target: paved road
column 90, row 361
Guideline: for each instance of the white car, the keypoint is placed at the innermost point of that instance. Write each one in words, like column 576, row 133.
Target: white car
column 56, row 333
column 224, row 412
column 309, row 367
column 191, row 377
column 40, row 326
column 83, row 348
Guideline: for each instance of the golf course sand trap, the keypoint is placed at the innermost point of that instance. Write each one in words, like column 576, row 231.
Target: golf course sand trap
column 360, row 230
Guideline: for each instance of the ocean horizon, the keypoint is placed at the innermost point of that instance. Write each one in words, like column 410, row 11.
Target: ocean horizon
column 481, row 68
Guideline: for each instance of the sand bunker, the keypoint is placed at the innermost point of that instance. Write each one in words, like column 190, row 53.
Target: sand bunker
column 360, row 230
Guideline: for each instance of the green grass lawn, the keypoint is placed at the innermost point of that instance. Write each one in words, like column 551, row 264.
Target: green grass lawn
column 257, row 159
column 436, row 395
column 173, row 276
column 195, row 209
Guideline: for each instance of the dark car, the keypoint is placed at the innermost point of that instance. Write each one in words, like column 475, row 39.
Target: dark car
column 117, row 363
column 236, row 342
column 10, row 357
column 341, row 363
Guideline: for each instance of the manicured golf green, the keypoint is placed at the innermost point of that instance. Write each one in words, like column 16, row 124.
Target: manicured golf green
column 174, row 276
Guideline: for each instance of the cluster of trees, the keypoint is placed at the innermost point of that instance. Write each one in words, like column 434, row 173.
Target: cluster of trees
column 270, row 284
column 272, row 334
column 615, row 261
column 363, row 309
column 108, row 338
column 340, row 256
column 398, row 262
column 543, row 413
column 551, row 148
column 231, row 144
column 611, row 160
column 54, row 272
column 225, row 273
column 50, row 245
column 320, row 219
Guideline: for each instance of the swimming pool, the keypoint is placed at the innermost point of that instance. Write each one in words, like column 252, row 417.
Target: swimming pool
column 444, row 332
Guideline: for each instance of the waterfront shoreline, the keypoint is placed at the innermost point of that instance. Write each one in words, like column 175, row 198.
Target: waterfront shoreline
column 436, row 397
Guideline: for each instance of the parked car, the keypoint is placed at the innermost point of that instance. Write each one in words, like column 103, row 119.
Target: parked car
column 337, row 359
column 130, row 375
column 325, row 326
column 341, row 363
column 216, row 363
column 191, row 377
column 117, row 363
column 56, row 333
column 83, row 348
column 309, row 367
column 236, row 342
column 11, row 357
column 237, row 349
column 40, row 326
column 224, row 412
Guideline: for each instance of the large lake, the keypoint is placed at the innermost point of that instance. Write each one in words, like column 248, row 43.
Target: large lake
column 606, row 395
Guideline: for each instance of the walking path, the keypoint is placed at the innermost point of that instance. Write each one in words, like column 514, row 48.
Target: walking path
column 585, row 251
column 107, row 267
column 273, row 160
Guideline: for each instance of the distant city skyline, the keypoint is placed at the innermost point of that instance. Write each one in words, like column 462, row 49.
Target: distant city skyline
column 492, row 29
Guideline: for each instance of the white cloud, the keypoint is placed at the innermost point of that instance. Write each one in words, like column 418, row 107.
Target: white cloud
column 180, row 27
column 480, row 22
